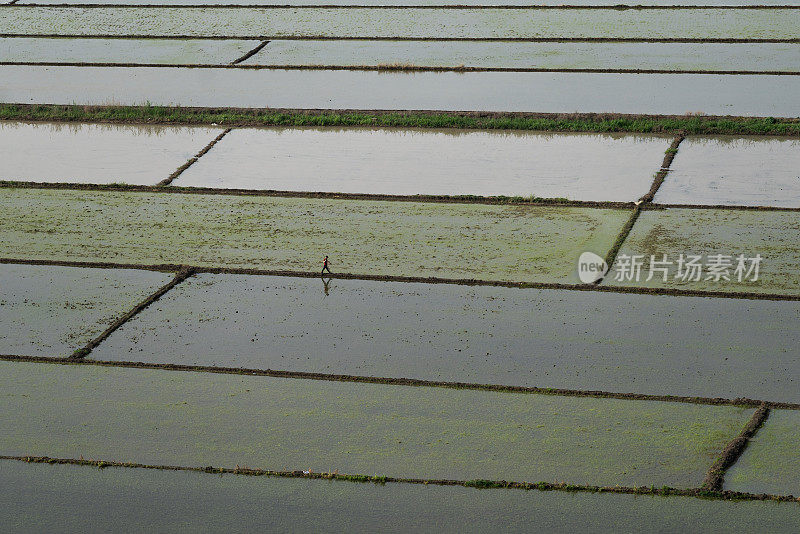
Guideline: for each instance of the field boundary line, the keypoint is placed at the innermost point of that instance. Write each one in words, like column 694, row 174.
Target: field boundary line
column 236, row 65
column 647, row 198
column 168, row 180
column 423, row 119
column 715, row 478
column 455, row 7
column 725, row 40
column 250, row 53
column 636, row 290
column 411, row 382
column 381, row 480
column 179, row 277
column 500, row 200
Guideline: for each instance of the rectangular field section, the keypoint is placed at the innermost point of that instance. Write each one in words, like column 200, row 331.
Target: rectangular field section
column 430, row 162
column 199, row 419
column 165, row 51
column 43, row 501
column 556, row 92
column 709, row 234
column 412, row 22
column 521, row 55
column 97, row 153
column 771, row 463
column 514, row 243
column 522, row 337
column 53, row 311
column 737, row 171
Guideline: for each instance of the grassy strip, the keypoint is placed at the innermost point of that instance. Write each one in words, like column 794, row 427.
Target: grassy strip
column 570, row 122
column 413, row 382
column 180, row 276
column 165, row 267
column 478, row 484
column 398, row 67
column 168, row 180
column 611, row 256
column 716, row 474
column 442, row 199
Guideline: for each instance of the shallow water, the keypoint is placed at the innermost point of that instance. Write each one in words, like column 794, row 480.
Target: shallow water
column 708, row 232
column 738, row 171
column 416, row 23
column 564, row 55
column 758, row 95
column 445, row 162
column 95, row 153
column 44, row 500
column 187, row 418
column 166, row 51
column 427, row 2
column 53, row 311
column 518, row 243
column 770, row 463
column 560, row 339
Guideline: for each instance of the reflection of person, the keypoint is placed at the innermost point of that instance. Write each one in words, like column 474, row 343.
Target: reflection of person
column 326, row 286
column 325, row 265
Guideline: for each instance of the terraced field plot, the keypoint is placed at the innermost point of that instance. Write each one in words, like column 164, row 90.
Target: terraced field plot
column 521, row 55
column 558, row 92
column 432, row 2
column 93, row 153
column 179, row 418
column 517, row 243
column 562, row 339
column 735, row 171
column 446, row 162
column 404, row 22
column 53, row 311
column 166, row 51
column 710, row 232
column 770, row 464
column 239, row 504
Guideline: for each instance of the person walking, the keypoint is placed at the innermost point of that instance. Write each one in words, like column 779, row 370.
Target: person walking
column 325, row 266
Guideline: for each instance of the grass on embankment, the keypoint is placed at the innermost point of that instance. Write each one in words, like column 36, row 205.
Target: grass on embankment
column 689, row 124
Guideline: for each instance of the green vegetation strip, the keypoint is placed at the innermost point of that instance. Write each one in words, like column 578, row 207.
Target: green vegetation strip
column 375, row 479
column 559, row 392
column 570, row 122
column 180, row 276
column 716, row 475
column 169, row 267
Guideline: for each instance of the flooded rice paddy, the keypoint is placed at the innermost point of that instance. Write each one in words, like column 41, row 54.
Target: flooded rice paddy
column 165, row 51
column 522, row 337
column 517, row 243
column 53, row 311
column 709, row 232
column 558, row 92
column 547, row 55
column 97, row 153
column 404, row 22
column 737, row 171
column 199, row 419
column 770, row 463
column 431, row 162
column 238, row 504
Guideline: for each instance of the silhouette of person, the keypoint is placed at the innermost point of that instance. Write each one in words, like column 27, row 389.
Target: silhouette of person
column 325, row 266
